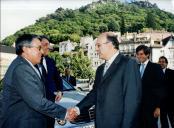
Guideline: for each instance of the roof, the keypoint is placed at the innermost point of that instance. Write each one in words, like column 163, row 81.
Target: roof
column 165, row 40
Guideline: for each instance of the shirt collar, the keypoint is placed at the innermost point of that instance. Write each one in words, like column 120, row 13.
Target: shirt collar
column 32, row 66
column 164, row 70
column 29, row 62
column 145, row 63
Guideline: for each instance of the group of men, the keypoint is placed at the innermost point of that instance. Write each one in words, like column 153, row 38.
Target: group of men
column 125, row 94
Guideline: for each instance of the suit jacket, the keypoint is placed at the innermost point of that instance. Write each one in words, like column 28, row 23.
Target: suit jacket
column 24, row 98
column 116, row 95
column 72, row 80
column 152, row 87
column 169, row 85
column 53, row 79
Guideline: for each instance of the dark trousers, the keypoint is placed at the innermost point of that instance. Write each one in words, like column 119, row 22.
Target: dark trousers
column 147, row 119
column 167, row 112
column 50, row 120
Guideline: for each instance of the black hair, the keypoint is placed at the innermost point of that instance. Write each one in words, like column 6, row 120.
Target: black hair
column 163, row 57
column 114, row 40
column 144, row 48
column 21, row 41
column 44, row 37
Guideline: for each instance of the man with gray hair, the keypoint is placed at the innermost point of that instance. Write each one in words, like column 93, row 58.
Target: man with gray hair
column 24, row 98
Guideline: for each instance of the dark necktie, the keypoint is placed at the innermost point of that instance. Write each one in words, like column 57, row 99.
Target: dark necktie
column 44, row 73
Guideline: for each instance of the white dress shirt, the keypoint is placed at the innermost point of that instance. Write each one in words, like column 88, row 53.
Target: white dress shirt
column 164, row 70
column 33, row 67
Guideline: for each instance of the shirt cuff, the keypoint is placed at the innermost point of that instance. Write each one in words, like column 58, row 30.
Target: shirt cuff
column 77, row 110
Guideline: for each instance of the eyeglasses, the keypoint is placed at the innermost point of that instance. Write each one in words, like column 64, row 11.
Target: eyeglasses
column 99, row 45
column 38, row 47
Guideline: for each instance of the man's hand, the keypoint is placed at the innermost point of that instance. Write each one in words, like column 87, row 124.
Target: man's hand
column 156, row 112
column 71, row 114
column 58, row 96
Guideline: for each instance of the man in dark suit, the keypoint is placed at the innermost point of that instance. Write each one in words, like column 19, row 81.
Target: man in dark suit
column 69, row 78
column 117, row 87
column 24, row 97
column 53, row 81
column 152, row 83
column 167, row 108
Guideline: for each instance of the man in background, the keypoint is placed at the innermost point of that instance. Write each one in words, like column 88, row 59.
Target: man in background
column 152, row 87
column 167, row 108
column 69, row 78
column 51, row 77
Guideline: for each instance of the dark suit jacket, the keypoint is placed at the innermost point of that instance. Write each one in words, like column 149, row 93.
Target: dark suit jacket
column 152, row 87
column 72, row 80
column 169, row 85
column 24, row 100
column 53, row 79
column 116, row 95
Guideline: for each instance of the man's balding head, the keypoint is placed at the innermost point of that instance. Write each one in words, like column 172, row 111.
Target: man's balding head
column 107, row 44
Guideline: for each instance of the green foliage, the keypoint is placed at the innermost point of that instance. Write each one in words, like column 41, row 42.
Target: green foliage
column 79, row 64
column 9, row 40
column 122, row 28
column 105, row 15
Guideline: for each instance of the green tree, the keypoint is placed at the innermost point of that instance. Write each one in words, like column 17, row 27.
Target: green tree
column 9, row 40
column 122, row 26
column 74, row 37
column 79, row 63
column 81, row 66
column 151, row 21
column 113, row 25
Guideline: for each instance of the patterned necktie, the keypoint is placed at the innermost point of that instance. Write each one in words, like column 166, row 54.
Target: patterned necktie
column 106, row 67
column 142, row 70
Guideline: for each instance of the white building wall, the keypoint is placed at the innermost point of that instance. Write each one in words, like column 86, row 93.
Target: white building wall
column 155, row 54
column 5, row 61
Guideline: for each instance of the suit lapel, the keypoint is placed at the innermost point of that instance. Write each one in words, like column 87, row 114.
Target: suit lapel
column 146, row 70
column 112, row 68
column 25, row 61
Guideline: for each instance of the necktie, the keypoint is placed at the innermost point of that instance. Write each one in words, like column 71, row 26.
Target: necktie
column 44, row 73
column 142, row 70
column 67, row 78
column 37, row 67
column 106, row 67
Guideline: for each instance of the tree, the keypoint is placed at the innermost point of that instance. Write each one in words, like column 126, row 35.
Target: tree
column 79, row 63
column 9, row 40
column 74, row 37
column 122, row 28
column 113, row 25
column 98, row 17
column 151, row 21
column 81, row 66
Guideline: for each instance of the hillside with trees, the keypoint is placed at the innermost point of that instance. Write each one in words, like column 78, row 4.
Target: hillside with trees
column 101, row 16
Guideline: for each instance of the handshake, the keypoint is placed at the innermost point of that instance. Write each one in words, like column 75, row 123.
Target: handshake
column 72, row 114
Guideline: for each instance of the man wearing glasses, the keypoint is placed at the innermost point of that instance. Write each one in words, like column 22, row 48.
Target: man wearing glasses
column 24, row 98
column 117, row 87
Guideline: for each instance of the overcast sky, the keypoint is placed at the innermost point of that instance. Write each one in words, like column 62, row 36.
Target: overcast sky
column 16, row 14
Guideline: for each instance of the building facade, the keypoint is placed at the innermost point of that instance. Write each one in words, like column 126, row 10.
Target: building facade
column 66, row 46
column 154, row 40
